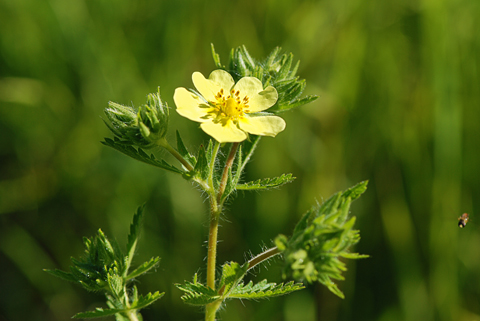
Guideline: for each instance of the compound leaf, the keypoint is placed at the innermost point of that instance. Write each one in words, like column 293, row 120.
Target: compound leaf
column 263, row 290
column 140, row 155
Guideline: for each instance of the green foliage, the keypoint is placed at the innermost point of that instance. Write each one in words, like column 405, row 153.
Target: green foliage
column 263, row 290
column 231, row 286
column 140, row 155
column 182, row 150
column 267, row 183
column 232, row 274
column 276, row 70
column 197, row 294
column 204, row 156
column 143, row 127
column 245, row 152
column 323, row 235
column 139, row 303
column 105, row 268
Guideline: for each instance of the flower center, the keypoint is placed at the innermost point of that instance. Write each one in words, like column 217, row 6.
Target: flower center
column 229, row 107
column 232, row 108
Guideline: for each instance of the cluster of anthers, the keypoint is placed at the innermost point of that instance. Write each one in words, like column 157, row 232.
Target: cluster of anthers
column 232, row 107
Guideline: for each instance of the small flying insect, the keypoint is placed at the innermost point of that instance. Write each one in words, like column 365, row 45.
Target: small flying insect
column 462, row 220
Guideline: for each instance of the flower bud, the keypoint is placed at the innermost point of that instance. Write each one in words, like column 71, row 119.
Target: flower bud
column 144, row 127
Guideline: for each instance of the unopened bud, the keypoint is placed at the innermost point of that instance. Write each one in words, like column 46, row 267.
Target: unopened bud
column 144, row 127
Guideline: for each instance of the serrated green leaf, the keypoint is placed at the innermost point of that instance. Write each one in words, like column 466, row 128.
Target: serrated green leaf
column 267, row 183
column 232, row 274
column 263, row 290
column 197, row 293
column 98, row 313
column 144, row 268
column 145, row 300
column 139, row 154
column 293, row 104
column 62, row 275
column 135, row 228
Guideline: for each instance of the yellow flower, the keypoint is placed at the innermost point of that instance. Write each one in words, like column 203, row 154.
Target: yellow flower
column 227, row 111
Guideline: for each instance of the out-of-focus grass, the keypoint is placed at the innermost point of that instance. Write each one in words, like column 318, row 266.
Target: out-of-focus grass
column 399, row 105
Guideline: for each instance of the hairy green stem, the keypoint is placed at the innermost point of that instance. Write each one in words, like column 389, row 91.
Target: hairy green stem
column 212, row 243
column 263, row 256
column 215, row 211
column 213, row 228
column 132, row 316
column 211, row 310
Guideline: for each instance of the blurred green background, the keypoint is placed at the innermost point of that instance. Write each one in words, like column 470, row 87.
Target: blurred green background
column 399, row 105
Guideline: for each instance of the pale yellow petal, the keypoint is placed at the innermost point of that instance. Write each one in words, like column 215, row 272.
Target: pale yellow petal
column 263, row 100
column 208, row 88
column 223, row 79
column 248, row 86
column 224, row 134
column 262, row 125
column 188, row 105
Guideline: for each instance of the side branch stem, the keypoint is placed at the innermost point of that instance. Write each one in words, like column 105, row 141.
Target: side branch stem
column 263, row 256
column 175, row 154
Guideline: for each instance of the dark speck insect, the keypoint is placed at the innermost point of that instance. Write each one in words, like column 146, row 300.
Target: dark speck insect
column 462, row 220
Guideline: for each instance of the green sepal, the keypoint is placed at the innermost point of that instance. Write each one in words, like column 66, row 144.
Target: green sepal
column 216, row 58
column 144, row 268
column 263, row 290
column 182, row 150
column 267, row 183
column 140, row 154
